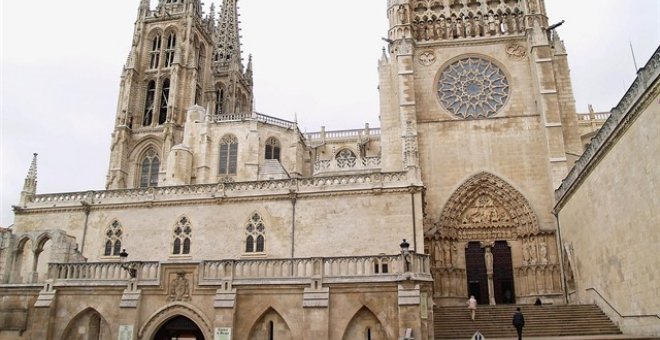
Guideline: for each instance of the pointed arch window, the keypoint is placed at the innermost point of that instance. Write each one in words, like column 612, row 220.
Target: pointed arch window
column 273, row 148
column 228, row 155
column 113, row 238
column 155, row 52
column 182, row 237
column 164, row 102
column 169, row 51
column 149, row 170
column 255, row 235
column 149, row 104
column 219, row 100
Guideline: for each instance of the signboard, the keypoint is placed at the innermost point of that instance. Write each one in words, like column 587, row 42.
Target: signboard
column 222, row 333
column 126, row 332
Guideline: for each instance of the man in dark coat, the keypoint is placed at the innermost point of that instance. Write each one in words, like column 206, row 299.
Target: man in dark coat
column 518, row 322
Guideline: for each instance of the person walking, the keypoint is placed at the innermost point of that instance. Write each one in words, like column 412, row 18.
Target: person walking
column 472, row 305
column 518, row 322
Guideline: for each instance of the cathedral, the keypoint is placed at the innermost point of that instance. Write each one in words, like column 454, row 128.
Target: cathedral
column 221, row 223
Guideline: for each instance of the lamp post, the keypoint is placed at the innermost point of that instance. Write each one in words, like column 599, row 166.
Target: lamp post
column 129, row 267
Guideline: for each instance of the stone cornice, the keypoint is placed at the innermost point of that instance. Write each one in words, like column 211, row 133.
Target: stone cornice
column 376, row 183
column 640, row 94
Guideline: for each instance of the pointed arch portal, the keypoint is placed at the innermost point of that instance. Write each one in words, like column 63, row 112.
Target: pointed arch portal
column 480, row 221
column 179, row 328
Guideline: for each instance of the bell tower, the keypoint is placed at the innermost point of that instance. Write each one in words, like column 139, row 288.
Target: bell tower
column 476, row 96
column 177, row 60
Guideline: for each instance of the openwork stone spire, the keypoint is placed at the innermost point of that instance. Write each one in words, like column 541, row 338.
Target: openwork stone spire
column 228, row 46
column 30, row 185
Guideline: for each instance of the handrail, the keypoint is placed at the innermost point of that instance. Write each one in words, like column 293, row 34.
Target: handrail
column 617, row 312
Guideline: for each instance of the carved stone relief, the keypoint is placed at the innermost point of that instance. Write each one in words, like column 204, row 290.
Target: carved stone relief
column 427, row 58
column 515, row 51
column 179, row 288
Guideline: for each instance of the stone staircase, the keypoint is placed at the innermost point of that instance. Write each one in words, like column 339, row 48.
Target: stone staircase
column 546, row 321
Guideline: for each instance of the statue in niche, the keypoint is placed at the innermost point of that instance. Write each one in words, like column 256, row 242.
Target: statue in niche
column 520, row 21
column 450, row 30
column 403, row 14
column 427, row 34
column 447, row 251
column 498, row 25
column 525, row 253
column 532, row 7
column 531, row 249
column 440, row 28
column 543, row 252
column 505, row 24
column 460, row 30
column 439, row 260
column 468, row 29
column 511, row 24
column 454, row 255
column 491, row 24
column 478, row 26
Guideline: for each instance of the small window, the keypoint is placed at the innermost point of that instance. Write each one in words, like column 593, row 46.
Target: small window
column 182, row 237
column 273, row 148
column 256, row 235
column 149, row 170
column 113, row 237
column 219, row 101
column 228, row 155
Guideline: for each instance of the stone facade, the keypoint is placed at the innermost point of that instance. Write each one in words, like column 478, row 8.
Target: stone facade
column 239, row 226
column 609, row 214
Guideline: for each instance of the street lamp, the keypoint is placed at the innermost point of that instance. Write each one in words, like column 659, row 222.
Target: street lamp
column 130, row 267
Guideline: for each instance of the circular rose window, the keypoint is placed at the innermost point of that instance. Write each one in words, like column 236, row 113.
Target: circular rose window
column 473, row 88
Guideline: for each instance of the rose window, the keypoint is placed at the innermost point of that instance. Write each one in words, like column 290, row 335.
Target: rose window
column 473, row 88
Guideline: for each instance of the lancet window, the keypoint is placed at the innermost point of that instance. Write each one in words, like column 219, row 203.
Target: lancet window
column 113, row 237
column 182, row 237
column 171, row 48
column 273, row 148
column 255, row 235
column 228, row 155
column 219, row 100
column 164, row 102
column 149, row 169
column 155, row 52
column 149, row 104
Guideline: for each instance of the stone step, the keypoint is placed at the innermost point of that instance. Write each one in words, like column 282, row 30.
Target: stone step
column 548, row 320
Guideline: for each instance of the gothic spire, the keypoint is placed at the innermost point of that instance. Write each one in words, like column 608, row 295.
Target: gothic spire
column 30, row 186
column 228, row 46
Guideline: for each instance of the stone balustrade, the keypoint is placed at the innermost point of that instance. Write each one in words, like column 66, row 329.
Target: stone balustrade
column 339, row 135
column 262, row 118
column 226, row 191
column 384, row 268
column 381, row 268
column 598, row 117
column 110, row 273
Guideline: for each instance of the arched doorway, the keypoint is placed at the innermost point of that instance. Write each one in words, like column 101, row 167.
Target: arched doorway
column 179, row 328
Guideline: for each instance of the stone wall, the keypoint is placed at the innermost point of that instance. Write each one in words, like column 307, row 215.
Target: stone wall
column 608, row 212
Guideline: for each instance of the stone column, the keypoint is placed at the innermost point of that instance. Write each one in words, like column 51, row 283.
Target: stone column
column 128, row 321
column 224, row 303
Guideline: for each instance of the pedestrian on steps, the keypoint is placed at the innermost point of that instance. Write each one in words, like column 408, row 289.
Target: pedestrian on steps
column 472, row 305
column 518, row 322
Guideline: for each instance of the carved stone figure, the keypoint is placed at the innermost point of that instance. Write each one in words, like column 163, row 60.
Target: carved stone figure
column 488, row 255
column 491, row 24
column 468, row 29
column 403, row 14
column 543, row 252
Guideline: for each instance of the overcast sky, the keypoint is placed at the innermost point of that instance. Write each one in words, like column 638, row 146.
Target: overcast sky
column 61, row 62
